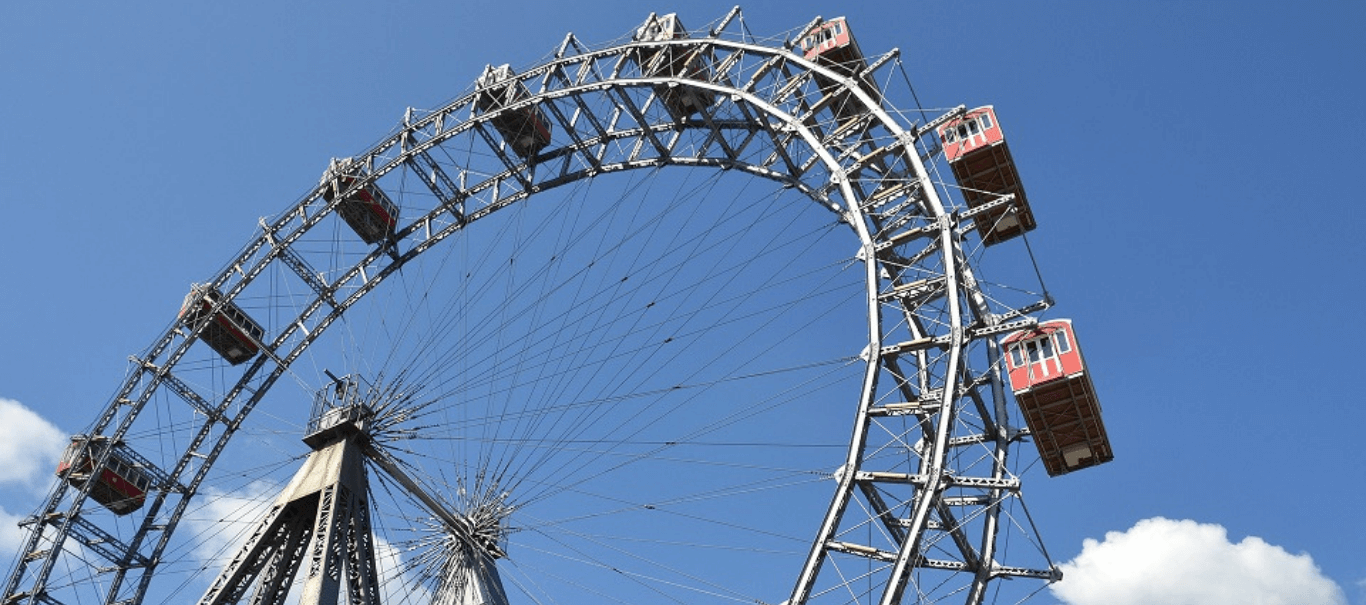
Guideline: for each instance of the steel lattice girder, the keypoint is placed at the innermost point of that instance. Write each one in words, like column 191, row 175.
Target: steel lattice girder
column 784, row 131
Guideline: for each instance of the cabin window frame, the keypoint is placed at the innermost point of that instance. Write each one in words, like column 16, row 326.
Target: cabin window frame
column 829, row 32
column 1062, row 342
column 1042, row 351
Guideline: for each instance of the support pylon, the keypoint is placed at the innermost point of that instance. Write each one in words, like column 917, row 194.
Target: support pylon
column 320, row 523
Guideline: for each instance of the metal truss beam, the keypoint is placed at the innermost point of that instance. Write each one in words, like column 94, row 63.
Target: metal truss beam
column 595, row 96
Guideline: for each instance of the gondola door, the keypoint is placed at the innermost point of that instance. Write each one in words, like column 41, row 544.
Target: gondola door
column 1042, row 355
column 969, row 134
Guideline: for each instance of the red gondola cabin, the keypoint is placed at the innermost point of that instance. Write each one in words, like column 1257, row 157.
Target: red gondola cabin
column 367, row 210
column 832, row 45
column 977, row 152
column 121, row 486
column 672, row 61
column 526, row 129
column 1055, row 393
column 230, row 332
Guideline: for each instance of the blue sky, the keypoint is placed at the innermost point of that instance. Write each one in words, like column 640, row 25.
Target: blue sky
column 1190, row 164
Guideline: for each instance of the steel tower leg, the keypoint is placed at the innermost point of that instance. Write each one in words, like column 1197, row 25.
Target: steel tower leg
column 471, row 578
column 321, row 521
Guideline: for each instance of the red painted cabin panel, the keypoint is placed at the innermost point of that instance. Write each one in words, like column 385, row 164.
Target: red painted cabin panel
column 525, row 129
column 1054, row 391
column 976, row 150
column 672, row 61
column 831, row 44
column 230, row 332
column 120, row 487
column 367, row 210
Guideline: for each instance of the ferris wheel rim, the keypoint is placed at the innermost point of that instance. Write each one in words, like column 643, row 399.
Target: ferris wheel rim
column 278, row 247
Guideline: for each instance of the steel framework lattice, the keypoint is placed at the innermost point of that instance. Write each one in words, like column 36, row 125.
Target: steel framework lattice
column 926, row 496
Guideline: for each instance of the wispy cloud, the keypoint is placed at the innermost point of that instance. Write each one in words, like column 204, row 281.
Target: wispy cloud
column 29, row 449
column 1183, row 562
column 29, row 445
column 223, row 520
column 11, row 535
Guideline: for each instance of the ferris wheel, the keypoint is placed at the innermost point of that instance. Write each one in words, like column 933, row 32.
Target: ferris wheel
column 695, row 316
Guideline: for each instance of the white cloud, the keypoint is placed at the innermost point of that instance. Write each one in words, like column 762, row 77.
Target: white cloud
column 29, row 445
column 11, row 535
column 1164, row 562
column 224, row 519
column 397, row 585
